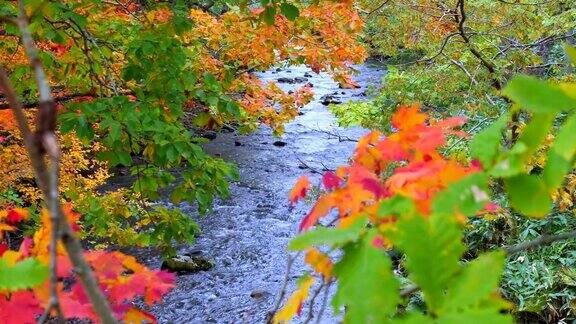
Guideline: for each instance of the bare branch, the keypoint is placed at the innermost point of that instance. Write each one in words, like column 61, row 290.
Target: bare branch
column 312, row 302
column 324, row 302
column 63, row 98
column 336, row 135
column 380, row 6
column 539, row 241
column 289, row 264
column 461, row 20
column 54, row 302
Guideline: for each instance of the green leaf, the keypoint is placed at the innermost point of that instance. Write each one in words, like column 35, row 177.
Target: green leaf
column 467, row 196
column 486, row 315
column 538, row 96
column 22, row 275
column 484, row 146
column 412, row 318
column 571, row 51
column 561, row 155
column 396, row 205
column 476, row 283
column 290, row 11
column 433, row 248
column 528, row 194
column 269, row 15
column 514, row 161
column 366, row 283
column 328, row 236
column 535, row 133
column 124, row 158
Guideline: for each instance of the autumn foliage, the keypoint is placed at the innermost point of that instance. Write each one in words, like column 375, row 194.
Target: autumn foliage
column 120, row 276
column 133, row 84
column 419, row 170
column 401, row 193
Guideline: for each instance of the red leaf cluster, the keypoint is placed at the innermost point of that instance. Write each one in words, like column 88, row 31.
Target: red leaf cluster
column 407, row 163
column 121, row 278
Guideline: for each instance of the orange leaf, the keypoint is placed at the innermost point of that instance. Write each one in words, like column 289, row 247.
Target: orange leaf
column 320, row 262
column 299, row 190
column 408, row 117
column 137, row 316
column 322, row 207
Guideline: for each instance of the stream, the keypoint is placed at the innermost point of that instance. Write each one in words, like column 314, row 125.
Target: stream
column 246, row 236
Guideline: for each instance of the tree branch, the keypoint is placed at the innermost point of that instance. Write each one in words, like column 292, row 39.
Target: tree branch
column 461, row 19
column 44, row 142
column 289, row 264
column 63, row 98
column 313, row 300
column 539, row 241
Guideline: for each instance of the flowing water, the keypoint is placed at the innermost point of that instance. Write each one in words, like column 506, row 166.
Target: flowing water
column 246, row 236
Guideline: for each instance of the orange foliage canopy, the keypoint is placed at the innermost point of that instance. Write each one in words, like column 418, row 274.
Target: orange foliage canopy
column 323, row 37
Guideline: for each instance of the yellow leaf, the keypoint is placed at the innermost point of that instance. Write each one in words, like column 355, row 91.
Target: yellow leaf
column 136, row 316
column 294, row 303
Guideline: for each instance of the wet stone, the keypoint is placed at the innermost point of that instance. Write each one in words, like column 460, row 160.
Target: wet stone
column 210, row 135
column 187, row 264
column 330, row 99
column 259, row 294
column 286, row 80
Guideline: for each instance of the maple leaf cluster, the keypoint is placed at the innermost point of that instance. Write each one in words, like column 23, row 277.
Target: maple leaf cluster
column 122, row 279
column 406, row 163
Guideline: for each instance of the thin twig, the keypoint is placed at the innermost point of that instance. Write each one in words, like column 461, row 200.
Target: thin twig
column 313, row 169
column 312, row 301
column 324, row 302
column 289, row 263
column 539, row 241
column 336, row 135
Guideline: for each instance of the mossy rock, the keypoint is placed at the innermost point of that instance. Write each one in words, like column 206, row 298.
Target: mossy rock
column 186, row 263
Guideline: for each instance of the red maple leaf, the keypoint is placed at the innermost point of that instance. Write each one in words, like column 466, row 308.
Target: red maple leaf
column 21, row 307
column 16, row 215
column 330, row 180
